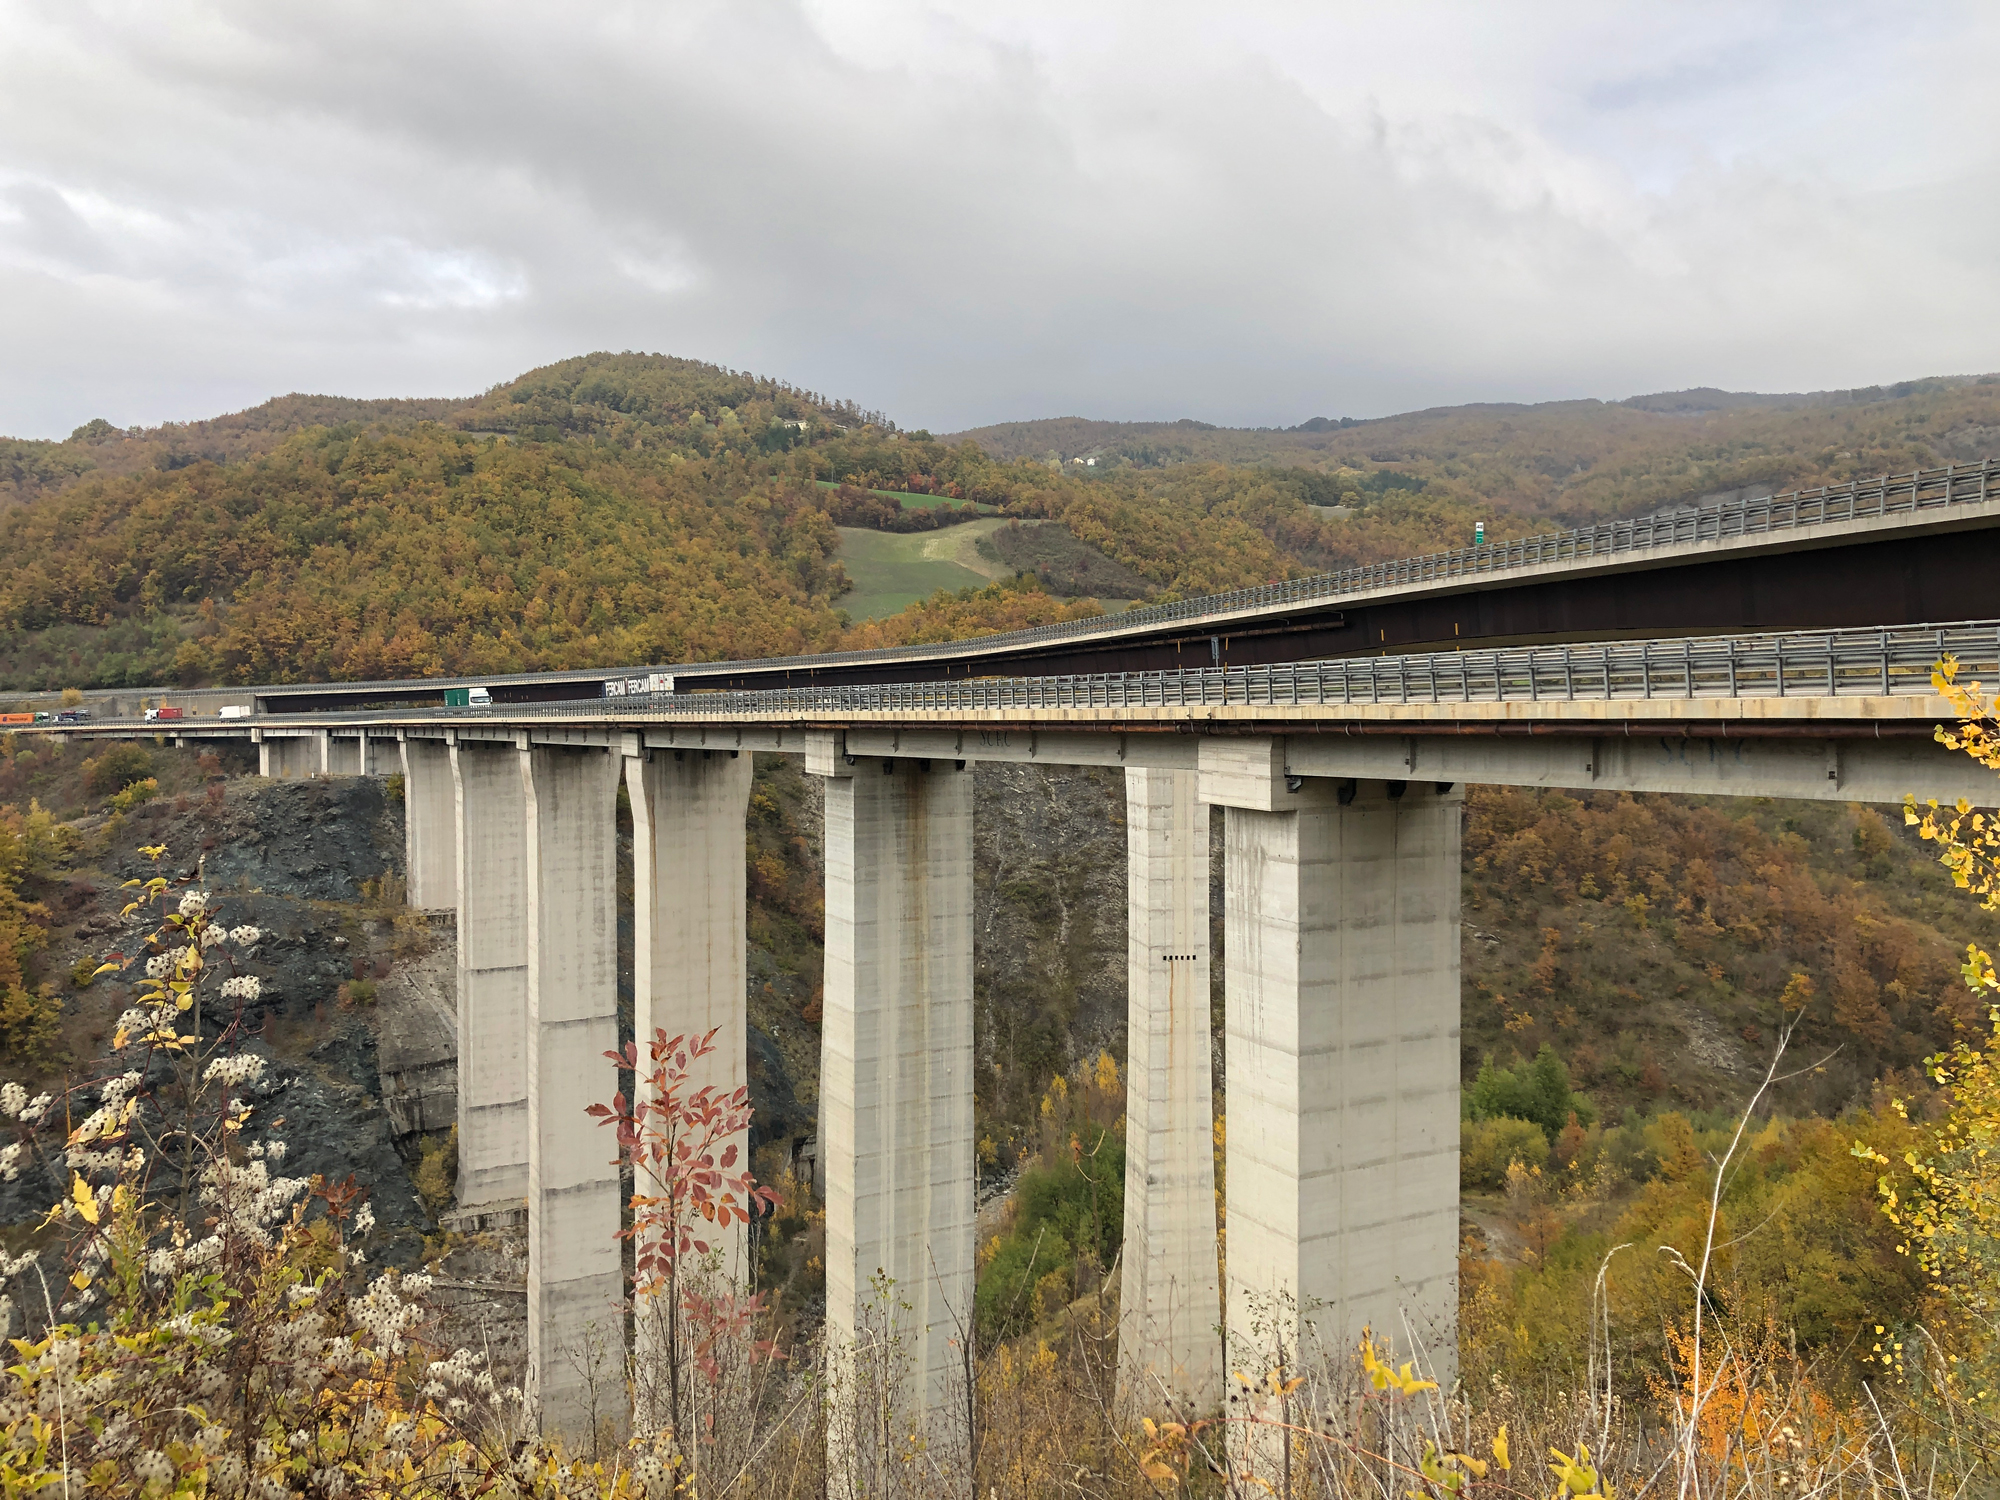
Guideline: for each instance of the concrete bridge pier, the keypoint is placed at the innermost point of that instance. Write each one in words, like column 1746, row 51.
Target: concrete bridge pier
column 896, row 1081
column 289, row 757
column 1169, row 1340
column 344, row 754
column 690, row 899
column 493, row 910
column 430, row 825
column 1341, row 967
column 576, row 1321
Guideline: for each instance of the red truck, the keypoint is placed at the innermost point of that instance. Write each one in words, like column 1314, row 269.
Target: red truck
column 164, row 712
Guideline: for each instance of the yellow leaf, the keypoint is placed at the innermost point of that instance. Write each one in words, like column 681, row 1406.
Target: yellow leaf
column 102, row 969
column 1500, row 1449
column 86, row 1200
column 80, row 1280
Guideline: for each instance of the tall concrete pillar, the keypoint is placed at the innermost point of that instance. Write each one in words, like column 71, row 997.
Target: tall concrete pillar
column 430, row 825
column 491, row 818
column 263, row 753
column 576, row 1320
column 1341, row 975
column 690, row 904
column 322, row 754
column 1170, row 1311
column 896, row 1086
column 290, row 756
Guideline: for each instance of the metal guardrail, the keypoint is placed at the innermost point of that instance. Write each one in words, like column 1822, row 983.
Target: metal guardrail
column 1835, row 664
column 1826, row 664
column 1894, row 494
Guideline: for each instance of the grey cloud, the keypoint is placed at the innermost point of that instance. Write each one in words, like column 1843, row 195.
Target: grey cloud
column 1134, row 212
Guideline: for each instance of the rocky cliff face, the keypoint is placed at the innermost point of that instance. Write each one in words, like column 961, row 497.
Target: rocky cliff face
column 310, row 864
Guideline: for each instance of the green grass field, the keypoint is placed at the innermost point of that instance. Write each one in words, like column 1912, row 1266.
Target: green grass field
column 910, row 501
column 891, row 572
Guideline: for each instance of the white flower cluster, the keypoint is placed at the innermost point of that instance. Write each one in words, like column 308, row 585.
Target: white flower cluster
column 364, row 1219
column 233, row 1072
column 158, row 965
column 117, row 1090
column 147, row 1023
column 653, row 1476
column 152, row 1467
column 464, row 1370
column 194, row 903
column 213, row 937
column 13, row 1099
column 108, row 1119
column 10, row 1161
column 92, row 1163
column 243, row 986
column 14, row 1266
column 245, row 935
column 71, row 1211
column 172, row 1260
column 37, row 1107
column 249, row 1198
column 385, row 1317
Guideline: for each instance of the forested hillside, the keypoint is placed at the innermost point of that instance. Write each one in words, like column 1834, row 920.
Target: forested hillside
column 1575, row 460
column 616, row 509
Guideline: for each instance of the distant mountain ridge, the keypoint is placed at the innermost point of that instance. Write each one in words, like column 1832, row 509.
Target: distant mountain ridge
column 1564, row 460
column 1076, row 436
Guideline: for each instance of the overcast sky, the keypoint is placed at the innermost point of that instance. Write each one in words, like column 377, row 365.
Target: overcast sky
column 967, row 212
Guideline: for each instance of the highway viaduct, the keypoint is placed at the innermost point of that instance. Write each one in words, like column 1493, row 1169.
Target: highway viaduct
column 1342, row 784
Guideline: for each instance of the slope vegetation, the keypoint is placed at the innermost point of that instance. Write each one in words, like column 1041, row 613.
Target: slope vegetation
column 1576, row 460
column 613, row 509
